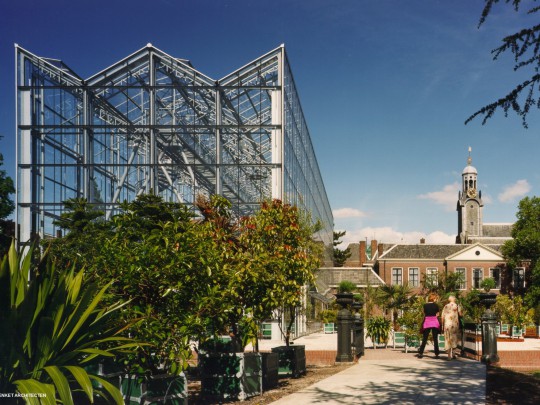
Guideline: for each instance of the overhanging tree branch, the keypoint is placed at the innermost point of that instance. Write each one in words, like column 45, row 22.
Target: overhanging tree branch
column 525, row 47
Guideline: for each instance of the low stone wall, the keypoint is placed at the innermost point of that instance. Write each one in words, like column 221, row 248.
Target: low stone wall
column 320, row 357
column 519, row 360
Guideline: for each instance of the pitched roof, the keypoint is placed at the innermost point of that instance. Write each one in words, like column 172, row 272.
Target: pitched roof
column 497, row 230
column 421, row 251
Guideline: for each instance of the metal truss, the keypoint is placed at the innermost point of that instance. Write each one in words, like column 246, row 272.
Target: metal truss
column 153, row 123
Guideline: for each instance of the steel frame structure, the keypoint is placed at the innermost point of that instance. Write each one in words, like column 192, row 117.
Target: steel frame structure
column 153, row 123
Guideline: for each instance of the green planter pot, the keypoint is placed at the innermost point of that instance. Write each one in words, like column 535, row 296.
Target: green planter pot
column 292, row 360
column 158, row 389
column 230, row 376
column 270, row 370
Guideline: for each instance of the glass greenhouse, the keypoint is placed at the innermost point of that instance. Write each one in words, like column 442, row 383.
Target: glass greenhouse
column 153, row 123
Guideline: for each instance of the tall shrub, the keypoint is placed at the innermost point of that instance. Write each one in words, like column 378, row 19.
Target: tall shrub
column 280, row 257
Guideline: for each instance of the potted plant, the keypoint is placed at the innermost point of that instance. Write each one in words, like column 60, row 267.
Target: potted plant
column 488, row 284
column 378, row 329
column 358, row 302
column 487, row 298
column 410, row 323
column 230, row 375
column 280, row 262
column 328, row 317
column 513, row 312
column 344, row 295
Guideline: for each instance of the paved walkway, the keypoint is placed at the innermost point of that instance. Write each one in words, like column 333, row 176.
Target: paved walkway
column 399, row 381
column 391, row 376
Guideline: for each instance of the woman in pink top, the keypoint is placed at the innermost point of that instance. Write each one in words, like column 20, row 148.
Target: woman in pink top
column 430, row 324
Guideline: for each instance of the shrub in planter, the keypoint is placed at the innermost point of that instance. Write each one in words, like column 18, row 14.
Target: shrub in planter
column 328, row 316
column 488, row 284
column 156, row 389
column 230, row 376
column 292, row 360
column 378, row 329
column 346, row 286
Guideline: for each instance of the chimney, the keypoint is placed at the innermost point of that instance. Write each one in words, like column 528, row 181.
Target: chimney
column 380, row 252
column 362, row 256
column 373, row 248
column 422, row 241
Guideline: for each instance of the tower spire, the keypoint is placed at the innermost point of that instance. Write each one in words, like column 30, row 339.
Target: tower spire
column 469, row 159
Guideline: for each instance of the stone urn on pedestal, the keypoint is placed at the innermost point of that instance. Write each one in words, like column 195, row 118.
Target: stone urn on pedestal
column 344, row 297
column 489, row 323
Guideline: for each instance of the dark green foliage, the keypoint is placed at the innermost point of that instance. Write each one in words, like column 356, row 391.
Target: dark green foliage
column 6, row 189
column 378, row 329
column 160, row 262
column 524, row 45
column 412, row 318
column 328, row 316
column 394, row 297
column 487, row 284
column 279, row 257
column 472, row 309
column 340, row 256
column 346, row 286
column 78, row 216
column 444, row 284
column 54, row 323
column 525, row 246
column 6, row 208
column 188, row 278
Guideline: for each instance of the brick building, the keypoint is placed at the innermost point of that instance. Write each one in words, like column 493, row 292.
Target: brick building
column 476, row 253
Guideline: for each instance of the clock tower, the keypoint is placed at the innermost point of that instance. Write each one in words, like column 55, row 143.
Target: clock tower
column 469, row 205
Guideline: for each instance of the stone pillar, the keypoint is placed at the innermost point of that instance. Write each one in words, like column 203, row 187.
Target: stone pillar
column 489, row 337
column 344, row 323
column 358, row 340
column 489, row 329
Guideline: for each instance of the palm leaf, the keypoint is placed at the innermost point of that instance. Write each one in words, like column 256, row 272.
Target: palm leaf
column 53, row 323
column 32, row 387
column 61, row 384
column 83, row 379
column 111, row 389
column 75, row 284
column 81, row 313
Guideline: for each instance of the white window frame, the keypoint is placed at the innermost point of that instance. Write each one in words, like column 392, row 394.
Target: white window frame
column 473, row 272
column 400, row 276
column 497, row 284
column 462, row 270
column 417, row 277
column 432, row 273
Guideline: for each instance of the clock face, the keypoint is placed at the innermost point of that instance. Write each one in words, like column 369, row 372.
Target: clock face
column 471, row 192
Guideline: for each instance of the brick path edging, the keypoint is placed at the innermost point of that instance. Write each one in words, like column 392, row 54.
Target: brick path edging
column 512, row 359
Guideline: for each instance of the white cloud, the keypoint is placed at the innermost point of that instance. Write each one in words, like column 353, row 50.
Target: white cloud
column 348, row 213
column 486, row 198
column 389, row 235
column 514, row 191
column 440, row 237
column 447, row 197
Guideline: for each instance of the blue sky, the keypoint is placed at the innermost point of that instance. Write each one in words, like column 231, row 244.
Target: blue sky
column 385, row 87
